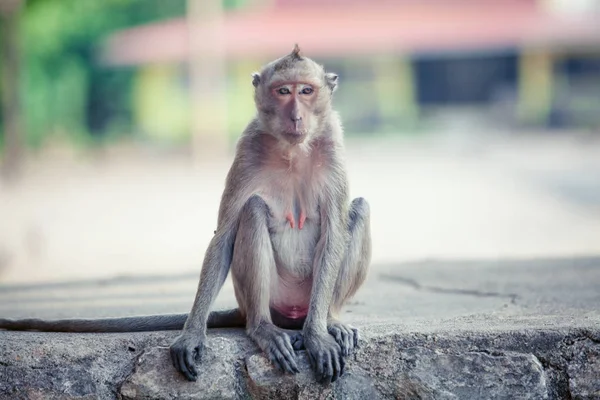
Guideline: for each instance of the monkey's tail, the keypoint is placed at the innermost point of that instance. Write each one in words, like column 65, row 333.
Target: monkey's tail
column 226, row 319
column 216, row 319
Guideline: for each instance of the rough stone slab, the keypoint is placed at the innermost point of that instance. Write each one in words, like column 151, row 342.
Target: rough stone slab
column 218, row 377
column 470, row 375
column 266, row 382
column 584, row 370
column 486, row 364
column 58, row 366
column 416, row 372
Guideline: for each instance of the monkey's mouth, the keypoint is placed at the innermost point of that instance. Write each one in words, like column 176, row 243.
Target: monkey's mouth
column 295, row 136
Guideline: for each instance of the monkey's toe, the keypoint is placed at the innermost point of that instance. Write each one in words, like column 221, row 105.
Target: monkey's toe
column 346, row 336
column 297, row 340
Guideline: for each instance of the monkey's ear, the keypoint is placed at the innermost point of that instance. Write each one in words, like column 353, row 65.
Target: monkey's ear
column 331, row 80
column 255, row 79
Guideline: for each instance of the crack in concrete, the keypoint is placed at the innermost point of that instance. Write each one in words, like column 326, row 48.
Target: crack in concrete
column 437, row 289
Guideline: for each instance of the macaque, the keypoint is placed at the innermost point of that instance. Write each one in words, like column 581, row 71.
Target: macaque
column 296, row 247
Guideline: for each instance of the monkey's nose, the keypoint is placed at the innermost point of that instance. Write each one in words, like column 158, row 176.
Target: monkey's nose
column 296, row 119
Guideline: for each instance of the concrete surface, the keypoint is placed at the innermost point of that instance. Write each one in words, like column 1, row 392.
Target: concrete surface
column 507, row 329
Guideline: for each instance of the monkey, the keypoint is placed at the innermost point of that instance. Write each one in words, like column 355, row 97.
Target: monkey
column 296, row 247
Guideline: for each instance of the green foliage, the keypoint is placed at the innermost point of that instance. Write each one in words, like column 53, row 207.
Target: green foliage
column 61, row 82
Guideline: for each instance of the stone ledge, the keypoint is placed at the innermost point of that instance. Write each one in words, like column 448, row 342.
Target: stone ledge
column 391, row 363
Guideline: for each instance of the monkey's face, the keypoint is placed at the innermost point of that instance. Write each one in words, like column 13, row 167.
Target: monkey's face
column 293, row 95
column 294, row 105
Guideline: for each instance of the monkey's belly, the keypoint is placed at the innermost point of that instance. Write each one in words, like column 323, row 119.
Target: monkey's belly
column 291, row 296
column 294, row 250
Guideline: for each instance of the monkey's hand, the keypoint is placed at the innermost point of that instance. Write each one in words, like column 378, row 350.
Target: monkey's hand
column 325, row 356
column 345, row 335
column 186, row 350
column 278, row 346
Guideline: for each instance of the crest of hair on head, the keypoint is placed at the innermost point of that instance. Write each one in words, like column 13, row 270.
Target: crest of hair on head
column 296, row 52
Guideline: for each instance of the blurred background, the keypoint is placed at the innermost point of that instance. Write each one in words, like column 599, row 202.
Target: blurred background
column 472, row 127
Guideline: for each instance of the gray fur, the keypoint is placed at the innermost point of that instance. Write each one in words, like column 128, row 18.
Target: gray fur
column 284, row 277
column 323, row 264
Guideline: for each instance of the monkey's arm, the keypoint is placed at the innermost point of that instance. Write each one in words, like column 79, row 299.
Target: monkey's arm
column 328, row 256
column 215, row 268
column 324, row 352
column 214, row 272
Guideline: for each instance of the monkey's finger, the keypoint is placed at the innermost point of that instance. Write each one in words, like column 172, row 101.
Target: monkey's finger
column 290, row 364
column 348, row 341
column 285, row 346
column 319, row 360
column 336, row 367
column 344, row 341
column 314, row 362
column 198, row 354
column 183, row 367
column 274, row 360
column 284, row 362
column 356, row 337
column 190, row 362
column 328, row 367
column 290, row 348
column 337, row 334
column 287, row 351
column 342, row 365
column 175, row 359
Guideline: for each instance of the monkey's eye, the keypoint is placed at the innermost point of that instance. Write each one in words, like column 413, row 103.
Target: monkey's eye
column 307, row 90
column 283, row 90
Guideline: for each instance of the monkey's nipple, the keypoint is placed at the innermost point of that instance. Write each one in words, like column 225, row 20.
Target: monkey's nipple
column 290, row 218
column 302, row 219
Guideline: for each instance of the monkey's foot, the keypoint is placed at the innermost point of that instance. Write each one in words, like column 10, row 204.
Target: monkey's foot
column 297, row 340
column 345, row 335
column 277, row 345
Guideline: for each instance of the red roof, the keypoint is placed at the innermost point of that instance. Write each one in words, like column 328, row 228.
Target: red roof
column 362, row 29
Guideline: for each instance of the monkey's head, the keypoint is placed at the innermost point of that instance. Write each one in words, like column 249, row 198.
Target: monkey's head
column 293, row 96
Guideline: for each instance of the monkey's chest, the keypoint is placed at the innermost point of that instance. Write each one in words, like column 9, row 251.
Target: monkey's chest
column 294, row 226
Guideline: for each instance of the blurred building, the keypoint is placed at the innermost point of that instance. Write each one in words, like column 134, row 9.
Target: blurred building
column 404, row 65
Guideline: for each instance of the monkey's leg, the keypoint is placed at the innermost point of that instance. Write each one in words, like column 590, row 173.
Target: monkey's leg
column 252, row 270
column 353, row 273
